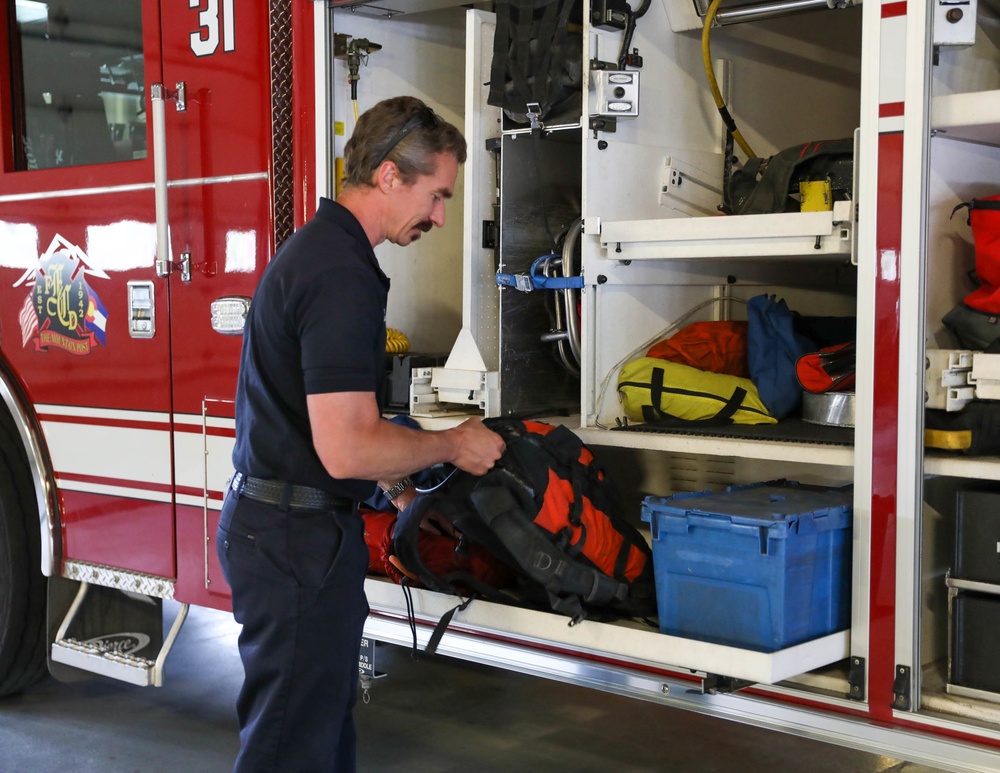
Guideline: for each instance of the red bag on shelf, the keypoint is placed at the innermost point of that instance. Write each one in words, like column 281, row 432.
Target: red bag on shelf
column 984, row 218
column 831, row 369
column 718, row 347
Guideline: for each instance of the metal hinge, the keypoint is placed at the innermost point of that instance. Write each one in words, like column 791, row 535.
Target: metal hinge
column 491, row 235
column 901, row 689
column 856, row 678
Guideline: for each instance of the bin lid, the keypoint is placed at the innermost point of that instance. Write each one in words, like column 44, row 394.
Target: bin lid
column 770, row 504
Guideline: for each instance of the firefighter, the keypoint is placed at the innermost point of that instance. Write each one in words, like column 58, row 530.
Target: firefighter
column 311, row 442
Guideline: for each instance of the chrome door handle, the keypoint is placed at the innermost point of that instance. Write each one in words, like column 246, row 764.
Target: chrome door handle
column 159, row 94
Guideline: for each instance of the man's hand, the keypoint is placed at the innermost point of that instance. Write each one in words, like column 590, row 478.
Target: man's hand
column 478, row 448
column 352, row 440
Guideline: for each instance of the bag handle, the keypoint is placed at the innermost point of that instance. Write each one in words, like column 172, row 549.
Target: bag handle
column 993, row 204
column 655, row 415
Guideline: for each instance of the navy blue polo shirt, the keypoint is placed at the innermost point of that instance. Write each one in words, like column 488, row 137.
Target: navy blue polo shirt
column 316, row 325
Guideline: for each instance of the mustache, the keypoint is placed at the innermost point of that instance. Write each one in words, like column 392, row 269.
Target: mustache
column 425, row 226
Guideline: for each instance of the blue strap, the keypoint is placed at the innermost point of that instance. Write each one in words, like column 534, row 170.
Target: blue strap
column 527, row 282
column 536, row 281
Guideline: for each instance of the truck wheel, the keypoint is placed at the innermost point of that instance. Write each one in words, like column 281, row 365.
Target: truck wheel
column 22, row 584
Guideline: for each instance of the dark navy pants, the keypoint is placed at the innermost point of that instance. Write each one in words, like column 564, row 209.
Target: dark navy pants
column 297, row 579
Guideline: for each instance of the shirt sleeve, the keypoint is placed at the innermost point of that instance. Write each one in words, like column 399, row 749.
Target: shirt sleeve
column 340, row 318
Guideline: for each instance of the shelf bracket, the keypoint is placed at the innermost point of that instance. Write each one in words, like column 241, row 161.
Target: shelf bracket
column 856, row 678
column 713, row 684
column 901, row 688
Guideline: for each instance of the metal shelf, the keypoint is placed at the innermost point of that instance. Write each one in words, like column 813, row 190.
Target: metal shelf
column 973, row 585
column 746, row 448
column 548, row 633
column 707, row 445
column 795, row 235
column 973, row 116
column 981, row 467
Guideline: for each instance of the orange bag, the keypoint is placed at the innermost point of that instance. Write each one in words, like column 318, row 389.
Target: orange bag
column 718, row 347
column 439, row 552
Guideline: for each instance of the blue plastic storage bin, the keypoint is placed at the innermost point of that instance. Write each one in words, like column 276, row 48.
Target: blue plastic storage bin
column 761, row 567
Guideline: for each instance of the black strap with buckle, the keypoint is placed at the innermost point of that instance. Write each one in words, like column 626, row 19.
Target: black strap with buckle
column 286, row 495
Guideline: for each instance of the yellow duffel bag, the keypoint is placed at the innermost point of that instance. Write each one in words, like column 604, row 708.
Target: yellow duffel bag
column 655, row 390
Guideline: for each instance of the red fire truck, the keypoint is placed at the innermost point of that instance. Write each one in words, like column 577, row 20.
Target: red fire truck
column 156, row 154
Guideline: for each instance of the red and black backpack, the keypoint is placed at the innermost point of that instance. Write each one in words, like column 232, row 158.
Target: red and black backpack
column 548, row 511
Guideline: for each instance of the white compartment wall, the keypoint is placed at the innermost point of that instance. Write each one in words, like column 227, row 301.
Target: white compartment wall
column 422, row 55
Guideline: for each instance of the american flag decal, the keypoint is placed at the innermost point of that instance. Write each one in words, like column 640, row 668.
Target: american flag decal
column 28, row 319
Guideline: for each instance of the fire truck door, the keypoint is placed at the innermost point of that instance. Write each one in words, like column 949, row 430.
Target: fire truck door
column 78, row 238
column 134, row 230
column 217, row 131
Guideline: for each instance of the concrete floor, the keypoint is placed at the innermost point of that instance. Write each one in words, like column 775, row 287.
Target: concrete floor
column 427, row 716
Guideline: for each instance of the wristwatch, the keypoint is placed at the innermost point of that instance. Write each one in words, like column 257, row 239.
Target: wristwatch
column 398, row 487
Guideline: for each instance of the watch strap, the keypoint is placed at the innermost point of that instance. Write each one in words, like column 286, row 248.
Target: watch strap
column 398, row 487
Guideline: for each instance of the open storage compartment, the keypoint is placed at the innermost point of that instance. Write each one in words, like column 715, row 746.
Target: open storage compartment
column 655, row 248
column 954, row 602
column 651, row 248
column 655, row 254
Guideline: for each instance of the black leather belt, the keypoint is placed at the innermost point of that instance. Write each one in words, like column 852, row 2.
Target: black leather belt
column 285, row 495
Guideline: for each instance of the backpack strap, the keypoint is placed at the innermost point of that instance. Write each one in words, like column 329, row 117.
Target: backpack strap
column 541, row 560
column 406, row 545
column 406, row 540
column 442, row 625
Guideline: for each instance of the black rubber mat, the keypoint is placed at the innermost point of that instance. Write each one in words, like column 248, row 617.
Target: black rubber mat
column 789, row 430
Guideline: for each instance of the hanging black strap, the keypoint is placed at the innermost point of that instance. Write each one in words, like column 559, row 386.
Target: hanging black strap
column 442, row 625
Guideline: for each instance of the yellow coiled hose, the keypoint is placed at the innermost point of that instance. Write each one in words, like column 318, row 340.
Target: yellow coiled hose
column 706, row 54
column 395, row 341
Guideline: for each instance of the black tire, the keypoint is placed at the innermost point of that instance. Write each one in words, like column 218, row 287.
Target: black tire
column 22, row 584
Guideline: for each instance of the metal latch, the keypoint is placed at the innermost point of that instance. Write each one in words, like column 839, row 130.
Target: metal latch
column 534, row 115
column 185, row 266
column 141, row 309
column 367, row 672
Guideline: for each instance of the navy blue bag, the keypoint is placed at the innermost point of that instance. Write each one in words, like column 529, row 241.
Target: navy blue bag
column 773, row 348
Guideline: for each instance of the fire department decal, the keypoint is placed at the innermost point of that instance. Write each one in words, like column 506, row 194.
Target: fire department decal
column 62, row 311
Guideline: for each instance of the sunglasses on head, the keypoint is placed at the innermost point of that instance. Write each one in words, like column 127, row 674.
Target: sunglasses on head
column 424, row 117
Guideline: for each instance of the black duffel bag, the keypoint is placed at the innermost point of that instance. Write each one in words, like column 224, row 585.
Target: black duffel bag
column 768, row 185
